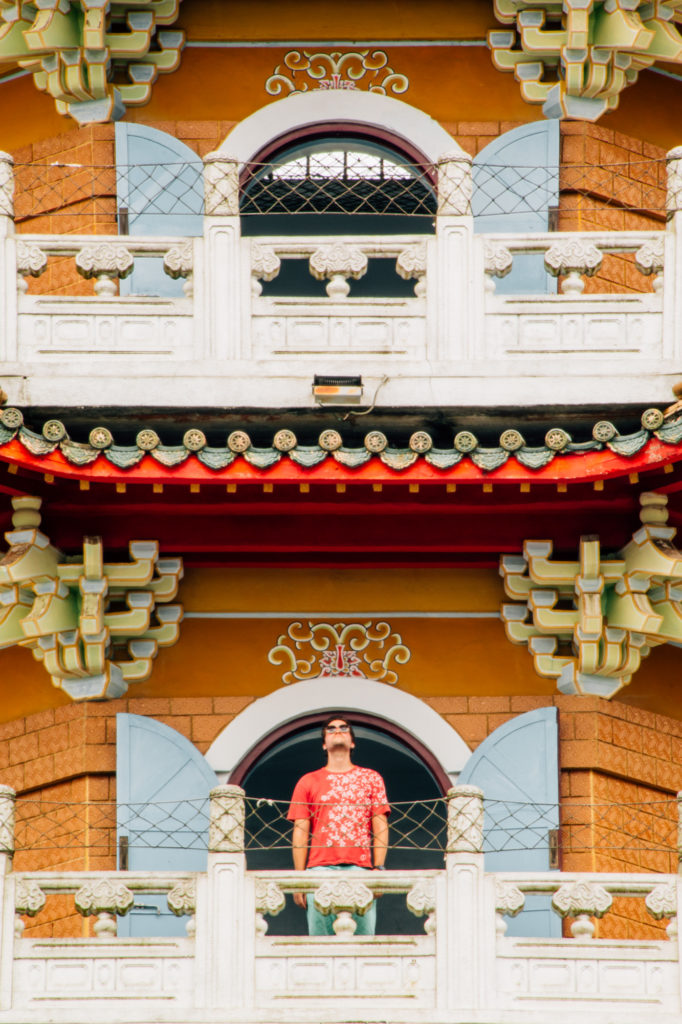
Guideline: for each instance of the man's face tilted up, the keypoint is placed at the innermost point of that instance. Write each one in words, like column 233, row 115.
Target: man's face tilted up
column 337, row 737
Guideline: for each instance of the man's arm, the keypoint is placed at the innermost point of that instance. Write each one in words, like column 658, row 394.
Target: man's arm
column 379, row 839
column 299, row 849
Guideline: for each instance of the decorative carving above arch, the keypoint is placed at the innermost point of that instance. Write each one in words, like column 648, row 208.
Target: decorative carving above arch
column 360, row 650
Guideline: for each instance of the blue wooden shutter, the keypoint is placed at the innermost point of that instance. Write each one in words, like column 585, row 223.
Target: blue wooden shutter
column 159, row 185
column 162, row 787
column 516, row 181
column 517, row 766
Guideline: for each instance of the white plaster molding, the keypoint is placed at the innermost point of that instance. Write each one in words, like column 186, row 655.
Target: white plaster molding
column 362, row 695
column 317, row 107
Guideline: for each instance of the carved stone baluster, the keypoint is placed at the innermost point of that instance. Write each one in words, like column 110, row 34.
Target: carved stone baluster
column 179, row 262
column 227, row 818
column 649, row 259
column 509, row 901
column 573, row 257
column 6, row 185
column 265, row 266
column 662, row 902
column 455, row 185
column 338, row 262
column 107, row 262
column 497, row 262
column 269, row 900
column 29, row 899
column 343, row 898
column 31, row 262
column 182, row 901
column 421, row 901
column 412, row 263
column 465, row 820
column 582, row 900
column 673, row 199
column 107, row 900
column 221, row 186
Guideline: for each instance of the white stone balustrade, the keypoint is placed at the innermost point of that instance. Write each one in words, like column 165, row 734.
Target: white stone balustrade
column 231, row 341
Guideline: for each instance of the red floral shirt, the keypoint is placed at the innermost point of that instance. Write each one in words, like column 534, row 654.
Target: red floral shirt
column 340, row 807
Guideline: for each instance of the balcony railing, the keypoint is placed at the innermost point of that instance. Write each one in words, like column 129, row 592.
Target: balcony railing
column 254, row 317
column 462, row 967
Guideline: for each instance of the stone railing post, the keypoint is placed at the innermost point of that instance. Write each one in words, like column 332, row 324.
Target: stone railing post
column 8, row 289
column 672, row 327
column 6, row 193
column 221, row 186
column 225, row 281
column 224, row 930
column 465, row 820
column 7, row 818
column 457, row 297
column 227, row 817
column 471, row 929
column 7, row 813
column 679, row 832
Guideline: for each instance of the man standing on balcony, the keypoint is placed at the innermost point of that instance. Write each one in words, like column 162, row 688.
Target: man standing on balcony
column 340, row 815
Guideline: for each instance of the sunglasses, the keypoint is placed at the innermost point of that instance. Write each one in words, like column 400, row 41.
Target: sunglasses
column 337, row 728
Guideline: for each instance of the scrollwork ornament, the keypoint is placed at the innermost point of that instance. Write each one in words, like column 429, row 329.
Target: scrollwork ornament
column 179, row 260
column 104, row 897
column 269, row 900
column 330, row 440
column 582, row 900
column 363, row 650
column 573, row 257
column 411, row 263
column 421, row 901
column 238, row 442
column 265, row 266
column 343, row 895
column 509, row 901
column 29, row 898
column 497, row 262
column 31, row 262
column 662, row 902
column 300, row 71
column 338, row 262
column 105, row 261
column 182, row 898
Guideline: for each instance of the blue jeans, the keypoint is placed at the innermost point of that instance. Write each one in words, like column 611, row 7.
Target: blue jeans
column 321, row 924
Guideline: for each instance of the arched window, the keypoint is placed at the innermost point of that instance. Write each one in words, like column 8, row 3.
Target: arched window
column 331, row 184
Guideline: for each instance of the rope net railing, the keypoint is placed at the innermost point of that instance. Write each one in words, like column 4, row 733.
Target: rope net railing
column 123, row 194
column 620, row 830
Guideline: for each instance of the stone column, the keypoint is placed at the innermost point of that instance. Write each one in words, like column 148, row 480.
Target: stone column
column 471, row 921
column 221, row 292
column 7, row 805
column 456, row 293
column 225, row 917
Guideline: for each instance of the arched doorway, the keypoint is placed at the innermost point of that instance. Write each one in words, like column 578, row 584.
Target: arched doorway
column 415, row 784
